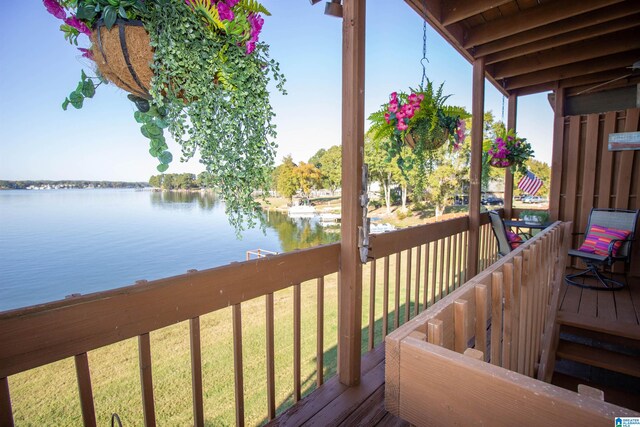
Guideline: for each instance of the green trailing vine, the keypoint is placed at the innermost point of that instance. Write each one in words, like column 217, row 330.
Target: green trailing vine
column 218, row 107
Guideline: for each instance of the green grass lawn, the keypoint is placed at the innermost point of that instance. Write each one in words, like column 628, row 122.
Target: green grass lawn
column 48, row 395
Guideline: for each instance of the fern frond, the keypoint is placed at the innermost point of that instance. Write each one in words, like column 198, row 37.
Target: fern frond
column 208, row 11
column 253, row 6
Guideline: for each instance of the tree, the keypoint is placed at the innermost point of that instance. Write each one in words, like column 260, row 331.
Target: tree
column 308, row 177
column 155, row 181
column 380, row 168
column 331, row 167
column 285, row 181
column 316, row 159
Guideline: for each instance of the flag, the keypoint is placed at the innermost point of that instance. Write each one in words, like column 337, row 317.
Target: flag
column 530, row 183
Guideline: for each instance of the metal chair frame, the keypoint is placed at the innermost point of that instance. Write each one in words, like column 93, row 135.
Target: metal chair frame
column 611, row 218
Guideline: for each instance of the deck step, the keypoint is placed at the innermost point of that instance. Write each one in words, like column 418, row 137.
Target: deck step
column 601, row 358
column 616, row 328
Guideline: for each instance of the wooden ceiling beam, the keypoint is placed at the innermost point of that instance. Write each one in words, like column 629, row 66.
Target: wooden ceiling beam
column 544, row 14
column 575, row 85
column 586, row 20
column 607, row 63
column 587, row 49
column 568, row 38
column 457, row 10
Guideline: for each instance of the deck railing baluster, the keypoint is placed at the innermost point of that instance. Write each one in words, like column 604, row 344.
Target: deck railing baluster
column 425, row 296
column 146, row 380
column 448, row 267
column 396, row 313
column 84, row 387
column 407, row 292
column 416, row 307
column 441, row 269
column 434, row 271
column 196, row 371
column 372, row 303
column 296, row 343
column 270, row 349
column 320, row 332
column 385, row 298
column 238, row 374
column 6, row 413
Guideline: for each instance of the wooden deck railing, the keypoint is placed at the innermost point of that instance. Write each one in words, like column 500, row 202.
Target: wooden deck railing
column 440, row 358
column 39, row 335
column 409, row 271
column 412, row 269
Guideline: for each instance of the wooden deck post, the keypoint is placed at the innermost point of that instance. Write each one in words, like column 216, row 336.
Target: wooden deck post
column 350, row 284
column 556, row 160
column 512, row 115
column 477, row 112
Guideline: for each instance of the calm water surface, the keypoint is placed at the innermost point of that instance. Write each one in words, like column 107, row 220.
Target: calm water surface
column 57, row 242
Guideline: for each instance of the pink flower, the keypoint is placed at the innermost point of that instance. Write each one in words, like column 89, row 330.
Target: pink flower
column 232, row 3
column 86, row 53
column 225, row 12
column 408, row 110
column 400, row 115
column 251, row 46
column 462, row 125
column 393, row 107
column 54, row 8
column 402, row 125
column 421, row 97
column 74, row 22
column 386, row 117
column 394, row 96
column 413, row 98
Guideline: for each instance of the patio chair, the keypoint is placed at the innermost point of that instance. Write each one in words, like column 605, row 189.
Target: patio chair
column 505, row 244
column 610, row 234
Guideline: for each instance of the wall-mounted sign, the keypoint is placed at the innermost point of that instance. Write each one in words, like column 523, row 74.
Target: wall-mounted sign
column 624, row 141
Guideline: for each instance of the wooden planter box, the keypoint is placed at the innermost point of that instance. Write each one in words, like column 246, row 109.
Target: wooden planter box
column 474, row 357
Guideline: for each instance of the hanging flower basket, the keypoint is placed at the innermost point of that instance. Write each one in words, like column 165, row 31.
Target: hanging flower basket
column 412, row 138
column 123, row 55
column 499, row 163
column 508, row 150
column 419, row 120
column 200, row 73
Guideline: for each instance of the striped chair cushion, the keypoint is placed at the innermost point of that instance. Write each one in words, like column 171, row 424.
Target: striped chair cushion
column 598, row 240
column 514, row 239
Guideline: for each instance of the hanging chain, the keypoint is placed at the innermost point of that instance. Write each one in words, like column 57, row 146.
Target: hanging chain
column 424, row 59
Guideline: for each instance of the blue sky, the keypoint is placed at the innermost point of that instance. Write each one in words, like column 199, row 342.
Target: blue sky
column 38, row 68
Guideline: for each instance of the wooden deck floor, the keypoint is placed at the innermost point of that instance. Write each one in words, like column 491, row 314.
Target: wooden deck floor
column 334, row 404
column 622, row 306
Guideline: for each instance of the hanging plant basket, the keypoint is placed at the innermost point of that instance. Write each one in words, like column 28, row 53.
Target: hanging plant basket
column 429, row 143
column 499, row 163
column 123, row 55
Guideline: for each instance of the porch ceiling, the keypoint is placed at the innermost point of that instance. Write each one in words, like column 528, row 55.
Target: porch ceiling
column 531, row 46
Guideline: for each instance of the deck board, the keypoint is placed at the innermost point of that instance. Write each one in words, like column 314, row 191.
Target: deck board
column 624, row 306
column 334, row 404
column 620, row 306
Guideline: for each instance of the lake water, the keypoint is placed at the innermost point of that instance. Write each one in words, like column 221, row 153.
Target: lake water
column 57, row 242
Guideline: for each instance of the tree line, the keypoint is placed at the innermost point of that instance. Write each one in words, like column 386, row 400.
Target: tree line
column 33, row 184
column 180, row 181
